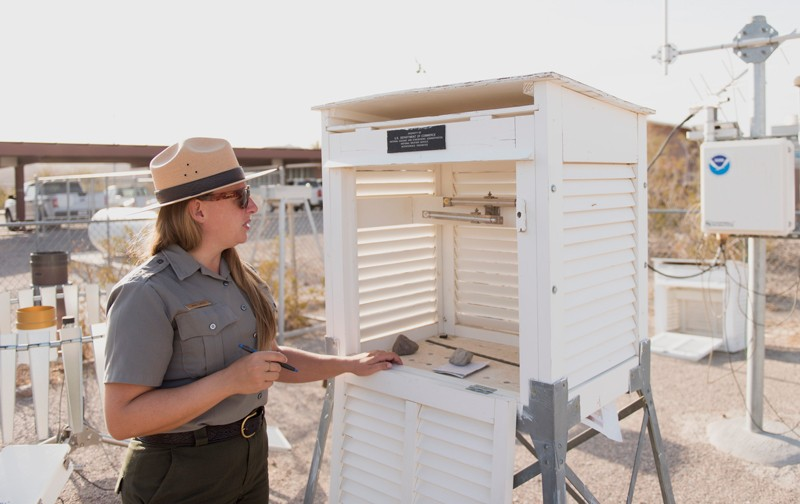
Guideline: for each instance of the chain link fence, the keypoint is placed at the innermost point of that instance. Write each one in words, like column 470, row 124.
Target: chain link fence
column 101, row 252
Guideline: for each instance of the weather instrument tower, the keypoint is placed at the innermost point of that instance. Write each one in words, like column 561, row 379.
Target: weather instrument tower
column 754, row 44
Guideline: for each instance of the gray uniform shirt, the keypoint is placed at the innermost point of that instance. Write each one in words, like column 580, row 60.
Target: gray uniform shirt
column 172, row 321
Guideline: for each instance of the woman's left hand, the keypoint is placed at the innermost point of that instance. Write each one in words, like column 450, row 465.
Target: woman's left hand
column 365, row 364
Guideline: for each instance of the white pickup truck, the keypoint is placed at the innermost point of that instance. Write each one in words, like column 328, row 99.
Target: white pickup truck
column 55, row 201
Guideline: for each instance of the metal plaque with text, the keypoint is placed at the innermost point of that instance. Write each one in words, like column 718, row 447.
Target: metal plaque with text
column 415, row 139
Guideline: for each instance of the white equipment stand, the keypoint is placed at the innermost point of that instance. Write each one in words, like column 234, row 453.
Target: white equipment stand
column 44, row 469
column 37, row 473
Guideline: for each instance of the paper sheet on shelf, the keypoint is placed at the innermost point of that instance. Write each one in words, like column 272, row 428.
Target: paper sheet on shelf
column 460, row 371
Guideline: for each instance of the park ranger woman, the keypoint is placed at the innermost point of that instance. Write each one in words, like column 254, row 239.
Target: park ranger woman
column 191, row 347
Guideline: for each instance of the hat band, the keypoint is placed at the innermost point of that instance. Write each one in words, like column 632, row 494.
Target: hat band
column 197, row 187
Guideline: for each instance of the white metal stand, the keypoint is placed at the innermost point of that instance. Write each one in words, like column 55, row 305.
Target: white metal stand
column 38, row 472
column 77, row 433
column 34, row 473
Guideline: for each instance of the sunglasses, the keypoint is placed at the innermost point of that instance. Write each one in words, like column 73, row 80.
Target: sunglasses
column 243, row 195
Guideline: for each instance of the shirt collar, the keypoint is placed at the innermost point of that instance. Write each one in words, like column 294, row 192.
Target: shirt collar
column 185, row 265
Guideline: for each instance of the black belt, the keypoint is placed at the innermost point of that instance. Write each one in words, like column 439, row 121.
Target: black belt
column 247, row 427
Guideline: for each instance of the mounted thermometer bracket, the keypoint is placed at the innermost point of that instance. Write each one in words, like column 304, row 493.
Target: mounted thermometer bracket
column 491, row 209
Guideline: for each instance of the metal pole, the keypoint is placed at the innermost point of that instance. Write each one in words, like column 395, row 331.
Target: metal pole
column 756, row 279
column 281, row 270
column 711, row 121
column 665, row 48
column 758, row 125
column 293, row 240
column 108, row 232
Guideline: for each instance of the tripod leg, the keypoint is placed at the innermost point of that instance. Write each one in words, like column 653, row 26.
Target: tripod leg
column 331, row 348
column 319, row 447
column 641, row 383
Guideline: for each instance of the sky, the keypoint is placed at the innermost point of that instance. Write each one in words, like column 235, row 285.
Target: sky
column 153, row 72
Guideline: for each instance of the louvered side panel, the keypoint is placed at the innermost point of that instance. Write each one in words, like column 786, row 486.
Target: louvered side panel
column 397, row 265
column 486, row 290
column 454, row 458
column 599, row 308
column 600, row 343
column 592, row 218
column 576, row 331
column 588, row 294
column 600, row 262
column 393, row 182
column 582, row 203
column 485, row 258
column 600, row 289
column 589, row 171
column 598, row 277
column 397, row 279
column 592, row 234
column 372, row 449
column 601, row 358
column 477, row 182
column 589, row 249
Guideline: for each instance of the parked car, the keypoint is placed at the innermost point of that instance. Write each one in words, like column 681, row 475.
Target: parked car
column 294, row 192
column 57, row 201
column 316, row 190
column 316, row 201
column 129, row 196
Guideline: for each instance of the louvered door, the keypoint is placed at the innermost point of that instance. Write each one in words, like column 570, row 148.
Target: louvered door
column 397, row 265
column 407, row 438
column 484, row 259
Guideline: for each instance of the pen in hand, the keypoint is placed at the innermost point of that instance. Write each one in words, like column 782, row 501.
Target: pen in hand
column 283, row 364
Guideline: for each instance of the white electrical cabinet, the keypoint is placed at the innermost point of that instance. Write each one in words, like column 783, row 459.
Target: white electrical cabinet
column 699, row 308
column 748, row 187
column 507, row 217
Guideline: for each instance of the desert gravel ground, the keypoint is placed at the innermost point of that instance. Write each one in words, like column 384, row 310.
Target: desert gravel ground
column 689, row 396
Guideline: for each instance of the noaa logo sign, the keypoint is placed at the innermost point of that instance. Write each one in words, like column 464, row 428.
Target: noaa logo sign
column 719, row 165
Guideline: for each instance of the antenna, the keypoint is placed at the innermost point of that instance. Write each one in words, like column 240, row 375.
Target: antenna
column 667, row 52
column 753, row 44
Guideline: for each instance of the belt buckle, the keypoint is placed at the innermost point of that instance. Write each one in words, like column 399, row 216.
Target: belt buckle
column 248, row 417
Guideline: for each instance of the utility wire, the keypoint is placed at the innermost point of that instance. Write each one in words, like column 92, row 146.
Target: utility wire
column 721, row 261
column 735, row 280
column 669, row 137
column 693, row 275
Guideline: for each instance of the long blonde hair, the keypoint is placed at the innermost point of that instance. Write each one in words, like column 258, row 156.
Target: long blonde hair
column 174, row 225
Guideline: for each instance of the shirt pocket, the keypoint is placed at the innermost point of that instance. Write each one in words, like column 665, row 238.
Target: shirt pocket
column 199, row 342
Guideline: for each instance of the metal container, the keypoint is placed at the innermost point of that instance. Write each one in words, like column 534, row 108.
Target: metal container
column 35, row 317
column 49, row 268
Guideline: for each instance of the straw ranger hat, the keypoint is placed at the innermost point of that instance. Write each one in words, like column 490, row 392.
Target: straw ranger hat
column 194, row 167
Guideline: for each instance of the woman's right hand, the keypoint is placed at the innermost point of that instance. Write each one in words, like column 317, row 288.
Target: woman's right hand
column 256, row 372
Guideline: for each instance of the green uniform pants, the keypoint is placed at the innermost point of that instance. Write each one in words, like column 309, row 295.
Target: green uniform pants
column 232, row 471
